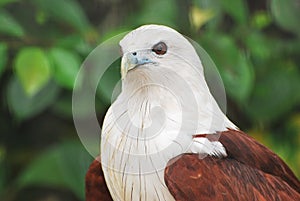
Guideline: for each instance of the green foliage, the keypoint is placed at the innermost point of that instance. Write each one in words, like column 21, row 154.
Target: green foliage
column 255, row 46
column 109, row 82
column 60, row 166
column 66, row 65
column 236, row 9
column 68, row 11
column 286, row 14
column 157, row 12
column 2, row 169
column 281, row 83
column 261, row 19
column 3, row 57
column 33, row 69
column 75, row 43
column 234, row 68
column 3, row 2
column 9, row 26
column 24, row 106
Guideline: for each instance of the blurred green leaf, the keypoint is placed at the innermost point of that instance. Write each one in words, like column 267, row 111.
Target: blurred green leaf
column 63, row 165
column 294, row 125
column 75, row 42
column 9, row 26
column 286, row 14
column 23, row 106
column 199, row 17
column 62, row 106
column 260, row 47
column 261, row 19
column 33, row 69
column 236, row 71
column 3, row 57
column 109, row 85
column 2, row 169
column 68, row 11
column 216, row 7
column 41, row 17
column 120, row 31
column 157, row 12
column 66, row 65
column 275, row 93
column 3, row 2
column 262, row 136
column 237, row 9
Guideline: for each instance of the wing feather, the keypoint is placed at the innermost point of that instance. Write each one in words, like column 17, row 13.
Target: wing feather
column 250, row 172
column 248, row 151
column 95, row 186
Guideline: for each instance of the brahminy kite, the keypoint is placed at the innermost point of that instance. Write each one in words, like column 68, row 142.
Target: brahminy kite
column 165, row 138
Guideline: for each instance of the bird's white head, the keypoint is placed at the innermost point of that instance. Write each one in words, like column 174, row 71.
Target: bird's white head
column 161, row 62
column 157, row 48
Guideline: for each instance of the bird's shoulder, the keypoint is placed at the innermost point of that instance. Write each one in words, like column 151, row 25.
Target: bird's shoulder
column 250, row 172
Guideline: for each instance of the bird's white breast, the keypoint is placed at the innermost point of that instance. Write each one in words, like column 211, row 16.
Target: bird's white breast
column 139, row 137
column 163, row 103
column 151, row 122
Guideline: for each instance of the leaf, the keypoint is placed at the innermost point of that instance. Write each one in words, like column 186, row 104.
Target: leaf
column 275, row 93
column 75, row 42
column 33, row 69
column 236, row 71
column 66, row 66
column 3, row 2
column 3, row 57
column 63, row 165
column 237, row 9
column 294, row 124
column 3, row 155
column 109, row 85
column 68, row 11
column 23, row 106
column 62, row 106
column 260, row 47
column 286, row 14
column 214, row 6
column 198, row 17
column 261, row 19
column 157, row 12
column 9, row 26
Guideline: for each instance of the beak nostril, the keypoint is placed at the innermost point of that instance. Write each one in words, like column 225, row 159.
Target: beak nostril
column 134, row 53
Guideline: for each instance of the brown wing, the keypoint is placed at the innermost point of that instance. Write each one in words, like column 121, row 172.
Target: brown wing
column 95, row 186
column 250, row 172
column 248, row 151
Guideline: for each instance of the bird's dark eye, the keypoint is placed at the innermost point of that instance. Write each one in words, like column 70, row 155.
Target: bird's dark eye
column 160, row 48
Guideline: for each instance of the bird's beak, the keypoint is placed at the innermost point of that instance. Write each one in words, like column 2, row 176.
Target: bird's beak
column 131, row 60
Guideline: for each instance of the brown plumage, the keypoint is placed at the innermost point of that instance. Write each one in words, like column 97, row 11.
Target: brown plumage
column 250, row 172
column 95, row 186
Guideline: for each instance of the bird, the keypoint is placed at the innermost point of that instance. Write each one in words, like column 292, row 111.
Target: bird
column 166, row 138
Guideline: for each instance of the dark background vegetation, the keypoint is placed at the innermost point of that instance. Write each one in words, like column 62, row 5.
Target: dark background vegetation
column 255, row 45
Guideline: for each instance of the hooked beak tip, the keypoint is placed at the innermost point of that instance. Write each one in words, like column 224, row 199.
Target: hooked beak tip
column 130, row 61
